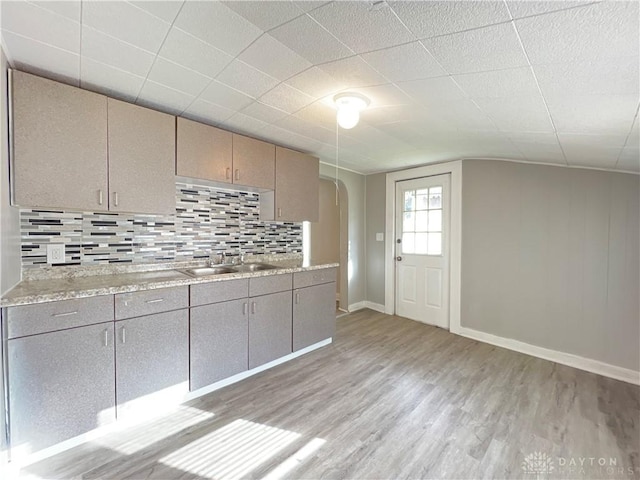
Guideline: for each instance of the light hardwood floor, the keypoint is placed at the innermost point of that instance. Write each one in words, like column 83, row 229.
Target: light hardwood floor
column 390, row 398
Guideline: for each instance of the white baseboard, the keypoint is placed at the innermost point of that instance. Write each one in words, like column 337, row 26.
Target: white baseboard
column 375, row 306
column 576, row 361
column 354, row 307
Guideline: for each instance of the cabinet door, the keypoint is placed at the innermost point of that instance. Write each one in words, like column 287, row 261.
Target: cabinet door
column 141, row 159
column 297, row 186
column 253, row 162
column 269, row 328
column 314, row 314
column 152, row 361
column 219, row 342
column 59, row 145
column 61, row 384
column 203, row 151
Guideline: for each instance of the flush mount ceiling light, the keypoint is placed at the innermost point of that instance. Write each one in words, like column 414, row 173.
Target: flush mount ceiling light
column 349, row 107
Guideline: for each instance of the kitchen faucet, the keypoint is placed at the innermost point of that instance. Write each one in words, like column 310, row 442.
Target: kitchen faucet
column 217, row 258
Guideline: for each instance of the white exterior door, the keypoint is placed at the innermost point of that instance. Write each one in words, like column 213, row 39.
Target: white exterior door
column 422, row 249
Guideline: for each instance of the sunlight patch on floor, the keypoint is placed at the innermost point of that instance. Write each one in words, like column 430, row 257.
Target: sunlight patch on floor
column 294, row 460
column 231, row 451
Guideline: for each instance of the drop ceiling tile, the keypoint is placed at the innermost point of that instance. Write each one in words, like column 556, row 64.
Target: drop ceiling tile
column 541, row 152
column 165, row 10
column 297, row 125
column 247, row 79
column 241, row 123
column 126, row 22
column 217, row 25
column 70, row 9
column 404, row 62
column 207, row 112
column 318, row 113
column 591, row 155
column 578, row 140
column 109, row 81
column 618, row 76
column 428, row 19
column 489, row 48
column 264, row 112
column 634, row 135
column 316, row 83
column 464, row 114
column 191, row 52
column 360, row 27
column 596, row 32
column 498, row 83
column 432, row 90
column 305, row 37
column 111, row 51
column 536, row 138
column 629, row 159
column 523, row 8
column 225, row 96
column 270, row 56
column 42, row 25
column 163, row 98
column 308, row 5
column 287, row 98
column 593, row 114
column 178, row 77
column 42, row 59
column 383, row 95
column 265, row 15
column 353, row 72
column 527, row 114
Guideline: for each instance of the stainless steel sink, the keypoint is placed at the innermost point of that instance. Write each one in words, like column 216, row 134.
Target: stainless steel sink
column 204, row 271
column 254, row 267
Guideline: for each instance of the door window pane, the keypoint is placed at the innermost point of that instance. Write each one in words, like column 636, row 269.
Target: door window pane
column 408, row 243
column 408, row 224
column 435, row 221
column 422, row 221
column 435, row 200
column 421, row 244
column 409, row 201
column 434, row 245
column 422, row 202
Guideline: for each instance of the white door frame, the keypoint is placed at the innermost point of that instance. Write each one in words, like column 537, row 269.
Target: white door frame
column 455, row 234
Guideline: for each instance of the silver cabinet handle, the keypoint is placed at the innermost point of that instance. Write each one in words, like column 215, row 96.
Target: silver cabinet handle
column 65, row 314
column 105, row 340
column 297, row 298
column 100, row 199
column 253, row 308
column 279, row 212
column 157, row 300
column 227, row 174
column 244, row 308
column 123, row 335
column 237, row 174
column 115, row 199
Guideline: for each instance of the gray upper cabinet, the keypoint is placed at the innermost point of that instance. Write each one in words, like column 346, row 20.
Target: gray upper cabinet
column 60, row 384
column 141, row 159
column 297, row 186
column 269, row 328
column 203, row 151
column 253, row 162
column 152, row 357
column 59, row 145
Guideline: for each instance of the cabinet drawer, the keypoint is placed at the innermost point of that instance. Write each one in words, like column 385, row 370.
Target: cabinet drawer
column 214, row 292
column 51, row 316
column 146, row 302
column 314, row 277
column 270, row 284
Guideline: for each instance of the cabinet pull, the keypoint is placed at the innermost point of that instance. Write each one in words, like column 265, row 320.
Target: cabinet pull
column 297, row 298
column 237, row 174
column 253, row 308
column 244, row 308
column 123, row 335
column 105, row 339
column 115, row 199
column 157, row 300
column 227, row 174
column 65, row 314
column 100, row 199
column 279, row 212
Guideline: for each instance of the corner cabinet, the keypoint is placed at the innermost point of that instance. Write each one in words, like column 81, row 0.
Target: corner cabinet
column 141, row 159
column 297, row 186
column 59, row 144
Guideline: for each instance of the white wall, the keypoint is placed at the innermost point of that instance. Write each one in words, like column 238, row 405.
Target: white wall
column 551, row 258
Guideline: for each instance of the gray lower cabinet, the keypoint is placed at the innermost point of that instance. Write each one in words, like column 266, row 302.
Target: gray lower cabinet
column 269, row 327
column 60, row 385
column 219, row 342
column 152, row 355
column 314, row 314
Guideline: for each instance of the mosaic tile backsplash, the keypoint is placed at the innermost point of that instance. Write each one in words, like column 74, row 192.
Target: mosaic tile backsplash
column 206, row 220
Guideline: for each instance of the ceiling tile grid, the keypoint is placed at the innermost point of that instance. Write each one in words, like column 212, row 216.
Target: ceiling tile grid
column 542, row 81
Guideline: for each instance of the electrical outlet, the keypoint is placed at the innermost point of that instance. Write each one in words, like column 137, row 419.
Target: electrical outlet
column 55, row 253
column 379, row 237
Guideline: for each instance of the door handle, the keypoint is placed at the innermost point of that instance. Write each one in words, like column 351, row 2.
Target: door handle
column 227, row 174
column 100, row 199
column 253, row 308
column 244, row 308
column 115, row 199
column 105, row 340
column 237, row 174
column 124, row 335
column 399, row 258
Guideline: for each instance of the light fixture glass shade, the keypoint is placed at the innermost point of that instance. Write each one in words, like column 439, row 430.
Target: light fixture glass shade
column 349, row 107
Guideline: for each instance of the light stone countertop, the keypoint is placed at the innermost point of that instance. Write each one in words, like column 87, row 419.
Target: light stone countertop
column 70, row 286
